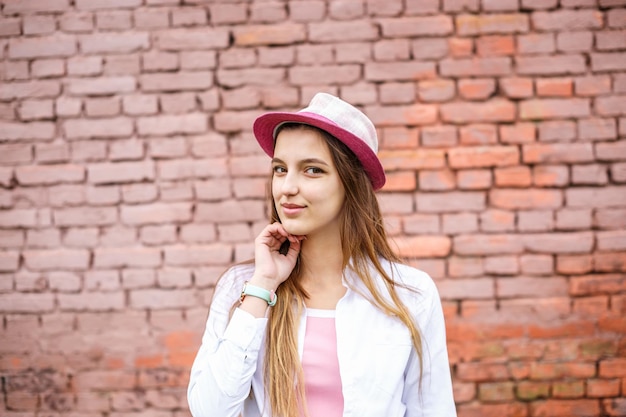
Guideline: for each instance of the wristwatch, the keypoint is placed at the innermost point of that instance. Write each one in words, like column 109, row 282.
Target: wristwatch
column 258, row 292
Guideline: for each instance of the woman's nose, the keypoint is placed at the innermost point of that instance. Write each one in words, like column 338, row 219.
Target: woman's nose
column 290, row 184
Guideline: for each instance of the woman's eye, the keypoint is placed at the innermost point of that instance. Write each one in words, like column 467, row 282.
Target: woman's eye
column 279, row 170
column 314, row 170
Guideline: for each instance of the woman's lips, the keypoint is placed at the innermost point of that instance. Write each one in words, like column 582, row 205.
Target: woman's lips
column 291, row 209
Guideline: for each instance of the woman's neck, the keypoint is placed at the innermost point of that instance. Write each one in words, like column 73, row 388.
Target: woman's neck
column 322, row 262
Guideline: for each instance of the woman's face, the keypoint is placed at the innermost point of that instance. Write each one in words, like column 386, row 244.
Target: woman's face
column 306, row 187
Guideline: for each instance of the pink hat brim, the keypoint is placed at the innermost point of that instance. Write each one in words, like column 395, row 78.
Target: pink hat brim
column 265, row 126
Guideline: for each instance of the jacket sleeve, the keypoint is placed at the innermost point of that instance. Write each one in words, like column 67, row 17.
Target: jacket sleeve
column 433, row 397
column 222, row 371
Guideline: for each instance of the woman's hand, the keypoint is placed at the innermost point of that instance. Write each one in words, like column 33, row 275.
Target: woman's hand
column 272, row 267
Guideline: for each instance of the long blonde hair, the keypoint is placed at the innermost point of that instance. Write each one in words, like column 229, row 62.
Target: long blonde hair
column 364, row 243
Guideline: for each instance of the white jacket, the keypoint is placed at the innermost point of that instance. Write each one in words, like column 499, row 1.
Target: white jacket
column 377, row 362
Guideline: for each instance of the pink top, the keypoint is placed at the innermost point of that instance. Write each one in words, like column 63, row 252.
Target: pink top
column 321, row 367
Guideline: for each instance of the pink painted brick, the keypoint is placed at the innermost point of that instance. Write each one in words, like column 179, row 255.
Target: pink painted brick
column 190, row 255
column 417, row 26
column 155, row 213
column 27, row 131
column 98, row 128
column 106, row 4
column 229, row 13
column 49, row 174
column 59, row 259
column 120, row 172
column 47, row 46
column 171, row 124
column 334, row 31
column 27, row 302
column 127, row 257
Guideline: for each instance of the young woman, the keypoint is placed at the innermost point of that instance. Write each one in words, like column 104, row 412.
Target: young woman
column 326, row 322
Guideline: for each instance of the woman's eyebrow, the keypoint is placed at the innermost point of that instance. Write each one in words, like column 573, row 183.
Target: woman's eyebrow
column 304, row 161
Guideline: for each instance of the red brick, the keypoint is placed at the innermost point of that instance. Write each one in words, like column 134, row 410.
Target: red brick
column 495, row 45
column 536, row 43
column 517, row 87
column 422, row 246
column 592, row 85
column 421, row 224
column 340, row 32
column 468, row 25
column 461, row 47
column 37, row 47
column 525, row 199
column 555, row 87
column 436, row 180
column 396, row 203
column 615, row 406
column 492, row 244
column 450, row 202
column 596, row 197
column 458, row 223
column 611, row 106
column 480, row 67
column 392, row 50
column 428, row 48
column 569, row 219
column 474, row 179
column 598, row 388
column 271, row 76
column 331, row 74
column 609, row 262
column 557, row 153
column 483, row 156
column 29, row 90
column 574, row 41
column 550, row 175
column 407, row 115
column 495, row 110
column 514, row 176
column 478, row 134
column 476, row 89
column 197, row 80
column 568, row 20
column 230, row 211
column 277, row 34
column 552, row 65
column 609, row 61
column 416, row 26
column 436, row 90
column 597, row 284
column 399, row 71
column 438, row 136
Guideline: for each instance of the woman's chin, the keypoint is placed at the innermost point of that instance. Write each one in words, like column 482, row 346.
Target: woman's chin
column 293, row 228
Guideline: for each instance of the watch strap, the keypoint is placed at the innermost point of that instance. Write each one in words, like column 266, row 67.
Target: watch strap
column 258, row 292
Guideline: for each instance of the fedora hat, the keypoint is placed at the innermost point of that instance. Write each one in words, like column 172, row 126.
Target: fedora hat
column 333, row 115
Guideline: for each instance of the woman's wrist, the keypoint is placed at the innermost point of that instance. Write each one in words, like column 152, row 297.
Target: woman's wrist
column 265, row 283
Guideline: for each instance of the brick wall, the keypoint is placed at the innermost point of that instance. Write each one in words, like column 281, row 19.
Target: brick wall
column 129, row 179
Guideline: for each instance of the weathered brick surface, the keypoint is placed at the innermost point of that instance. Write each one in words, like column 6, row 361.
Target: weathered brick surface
column 129, row 179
